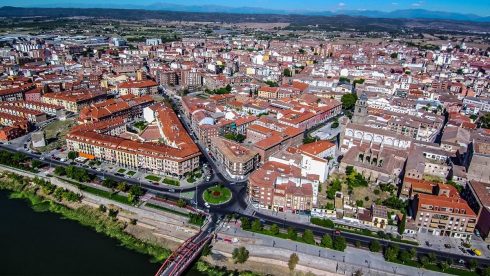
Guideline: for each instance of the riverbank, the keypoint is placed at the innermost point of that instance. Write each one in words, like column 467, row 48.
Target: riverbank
column 102, row 222
column 139, row 237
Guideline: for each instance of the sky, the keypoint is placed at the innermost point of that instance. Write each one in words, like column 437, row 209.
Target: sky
column 479, row 7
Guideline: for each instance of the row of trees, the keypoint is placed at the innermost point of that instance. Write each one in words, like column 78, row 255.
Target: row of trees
column 58, row 193
column 18, row 160
column 75, row 173
column 393, row 253
column 338, row 242
column 219, row 91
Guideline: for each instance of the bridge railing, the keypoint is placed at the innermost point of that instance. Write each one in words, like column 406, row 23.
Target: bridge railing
column 175, row 254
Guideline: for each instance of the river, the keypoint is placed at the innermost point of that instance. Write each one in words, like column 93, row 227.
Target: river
column 43, row 243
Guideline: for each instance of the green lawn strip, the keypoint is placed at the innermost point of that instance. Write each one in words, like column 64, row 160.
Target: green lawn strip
column 113, row 196
column 168, row 210
column 121, row 170
column 195, row 219
column 223, row 196
column 153, row 178
column 170, row 181
column 131, row 173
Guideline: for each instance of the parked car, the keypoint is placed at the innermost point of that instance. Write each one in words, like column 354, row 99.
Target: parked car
column 447, row 245
column 337, row 233
column 476, row 251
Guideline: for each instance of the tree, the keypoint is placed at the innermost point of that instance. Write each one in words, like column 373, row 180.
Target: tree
column 274, row 230
column 404, row 256
column 401, row 224
column 293, row 261
column 375, row 246
column 240, row 255
column 348, row 100
column 136, row 191
column 308, row 237
column 287, row 73
column 181, row 203
column 327, row 241
column 444, row 265
column 394, row 55
column 206, row 250
column 72, row 155
column 432, row 257
column 245, row 222
column 59, row 170
column 109, row 183
column 256, row 225
column 36, row 163
column 122, row 186
column 391, row 253
column 485, row 121
column 472, row 264
column 424, row 261
column 292, row 234
column 339, row 243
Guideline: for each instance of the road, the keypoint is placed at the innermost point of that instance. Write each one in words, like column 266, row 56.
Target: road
column 238, row 204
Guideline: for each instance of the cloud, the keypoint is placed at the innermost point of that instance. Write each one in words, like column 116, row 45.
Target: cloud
column 341, row 4
column 417, row 4
column 394, row 3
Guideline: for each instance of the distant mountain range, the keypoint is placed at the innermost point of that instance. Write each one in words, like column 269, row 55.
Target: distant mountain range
column 408, row 13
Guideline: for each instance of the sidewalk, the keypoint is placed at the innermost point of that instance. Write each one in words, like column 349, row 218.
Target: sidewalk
column 323, row 259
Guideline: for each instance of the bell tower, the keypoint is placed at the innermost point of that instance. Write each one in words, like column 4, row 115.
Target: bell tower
column 360, row 110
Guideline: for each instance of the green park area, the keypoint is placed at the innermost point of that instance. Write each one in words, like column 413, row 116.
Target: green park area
column 217, row 195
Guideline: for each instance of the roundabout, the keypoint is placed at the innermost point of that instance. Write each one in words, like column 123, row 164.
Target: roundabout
column 217, row 195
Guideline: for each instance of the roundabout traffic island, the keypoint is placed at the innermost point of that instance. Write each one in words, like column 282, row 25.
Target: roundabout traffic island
column 217, row 195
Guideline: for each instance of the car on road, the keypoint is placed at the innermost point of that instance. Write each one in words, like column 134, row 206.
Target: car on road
column 447, row 245
column 41, row 158
column 428, row 244
column 62, row 159
column 206, row 204
column 336, row 233
column 208, row 178
column 171, row 190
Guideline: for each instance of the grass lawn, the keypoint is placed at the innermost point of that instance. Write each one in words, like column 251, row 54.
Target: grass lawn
column 109, row 195
column 217, row 195
column 121, row 170
column 131, row 173
column 153, row 178
column 170, row 181
column 165, row 209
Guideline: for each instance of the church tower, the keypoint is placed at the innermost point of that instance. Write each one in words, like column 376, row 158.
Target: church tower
column 360, row 110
